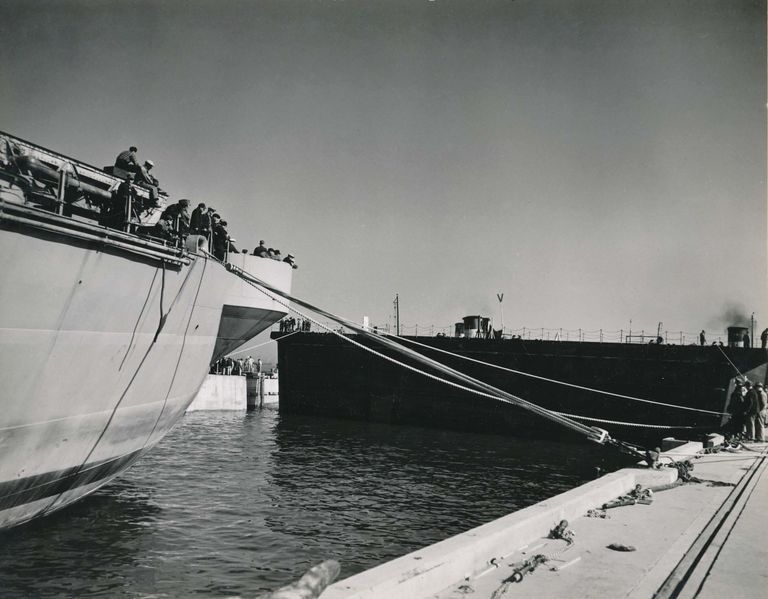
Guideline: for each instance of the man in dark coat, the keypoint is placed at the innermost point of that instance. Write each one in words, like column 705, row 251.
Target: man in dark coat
column 219, row 234
column 764, row 338
column 196, row 220
column 229, row 243
column 114, row 212
column 751, row 411
column 736, row 408
column 128, row 161
column 178, row 214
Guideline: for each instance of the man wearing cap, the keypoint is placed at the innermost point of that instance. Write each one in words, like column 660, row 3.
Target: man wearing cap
column 196, row 220
column 261, row 250
column 178, row 214
column 219, row 236
column 229, row 243
column 144, row 177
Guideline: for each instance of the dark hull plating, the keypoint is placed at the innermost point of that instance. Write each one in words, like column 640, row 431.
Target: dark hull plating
column 322, row 374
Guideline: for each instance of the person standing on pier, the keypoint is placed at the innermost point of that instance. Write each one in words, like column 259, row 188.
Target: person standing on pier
column 702, row 338
column 762, row 412
column 745, row 338
column 752, row 411
column 736, row 408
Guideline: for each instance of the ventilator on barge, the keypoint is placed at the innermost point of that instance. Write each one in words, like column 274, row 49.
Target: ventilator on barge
column 637, row 392
column 106, row 335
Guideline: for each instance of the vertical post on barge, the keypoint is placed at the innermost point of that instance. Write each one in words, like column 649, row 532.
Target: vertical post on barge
column 501, row 307
column 397, row 315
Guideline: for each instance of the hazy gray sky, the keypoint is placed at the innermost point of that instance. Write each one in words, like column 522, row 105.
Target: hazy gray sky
column 595, row 160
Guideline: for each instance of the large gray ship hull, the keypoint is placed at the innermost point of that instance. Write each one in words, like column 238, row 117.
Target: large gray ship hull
column 104, row 342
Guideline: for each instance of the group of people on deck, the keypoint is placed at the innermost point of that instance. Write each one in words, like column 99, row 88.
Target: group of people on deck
column 176, row 222
column 748, row 406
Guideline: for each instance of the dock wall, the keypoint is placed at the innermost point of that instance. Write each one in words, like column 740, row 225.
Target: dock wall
column 424, row 572
column 220, row 392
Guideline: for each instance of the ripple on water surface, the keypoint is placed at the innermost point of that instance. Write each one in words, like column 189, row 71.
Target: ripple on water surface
column 230, row 503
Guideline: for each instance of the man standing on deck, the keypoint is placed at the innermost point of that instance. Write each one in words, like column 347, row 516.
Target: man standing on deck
column 178, row 215
column 196, row 220
column 702, row 338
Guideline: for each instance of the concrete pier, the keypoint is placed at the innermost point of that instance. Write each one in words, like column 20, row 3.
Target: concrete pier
column 231, row 392
column 221, row 392
column 262, row 390
column 705, row 539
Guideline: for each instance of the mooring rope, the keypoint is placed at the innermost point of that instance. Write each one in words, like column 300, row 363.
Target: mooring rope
column 480, row 388
column 731, row 363
column 555, row 381
column 593, row 433
column 630, row 424
column 249, row 348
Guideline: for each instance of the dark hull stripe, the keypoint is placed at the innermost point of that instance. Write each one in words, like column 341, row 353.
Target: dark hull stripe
column 18, row 492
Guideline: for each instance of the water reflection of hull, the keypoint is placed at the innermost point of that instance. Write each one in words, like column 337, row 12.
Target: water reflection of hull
column 321, row 374
column 104, row 341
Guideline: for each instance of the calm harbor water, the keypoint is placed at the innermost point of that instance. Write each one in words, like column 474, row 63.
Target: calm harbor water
column 232, row 503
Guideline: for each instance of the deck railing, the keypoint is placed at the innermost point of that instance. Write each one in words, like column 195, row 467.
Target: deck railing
column 540, row 333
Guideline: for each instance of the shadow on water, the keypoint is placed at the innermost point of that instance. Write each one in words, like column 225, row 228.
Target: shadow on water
column 371, row 492
column 100, row 536
column 234, row 504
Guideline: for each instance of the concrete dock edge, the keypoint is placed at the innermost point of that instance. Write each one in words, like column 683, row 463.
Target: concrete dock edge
column 427, row 571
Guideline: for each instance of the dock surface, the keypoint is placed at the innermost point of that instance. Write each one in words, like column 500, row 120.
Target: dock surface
column 699, row 539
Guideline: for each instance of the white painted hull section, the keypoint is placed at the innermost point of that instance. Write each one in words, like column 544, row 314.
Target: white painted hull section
column 89, row 379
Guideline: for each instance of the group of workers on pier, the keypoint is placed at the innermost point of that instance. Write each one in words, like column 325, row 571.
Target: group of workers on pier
column 236, row 367
column 176, row 222
column 748, row 406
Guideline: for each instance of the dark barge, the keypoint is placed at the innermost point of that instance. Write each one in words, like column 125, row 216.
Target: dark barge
column 322, row 374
